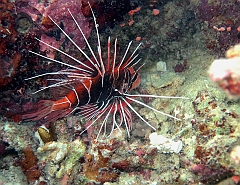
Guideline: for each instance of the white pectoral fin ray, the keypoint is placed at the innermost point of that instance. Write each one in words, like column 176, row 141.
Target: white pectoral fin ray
column 128, row 96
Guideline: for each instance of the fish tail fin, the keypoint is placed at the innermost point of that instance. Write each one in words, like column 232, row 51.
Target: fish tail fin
column 43, row 111
column 48, row 110
column 39, row 111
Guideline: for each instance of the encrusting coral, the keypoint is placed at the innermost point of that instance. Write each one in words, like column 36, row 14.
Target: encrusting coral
column 66, row 155
column 29, row 164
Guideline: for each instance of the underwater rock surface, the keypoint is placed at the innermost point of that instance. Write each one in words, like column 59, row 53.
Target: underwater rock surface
column 209, row 121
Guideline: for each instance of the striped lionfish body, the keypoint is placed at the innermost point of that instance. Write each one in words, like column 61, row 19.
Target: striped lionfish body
column 96, row 89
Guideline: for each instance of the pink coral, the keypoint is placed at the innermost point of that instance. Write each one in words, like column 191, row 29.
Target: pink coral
column 210, row 175
column 58, row 11
column 226, row 72
column 44, row 47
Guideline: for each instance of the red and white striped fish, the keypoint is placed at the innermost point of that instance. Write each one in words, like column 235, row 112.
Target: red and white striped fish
column 97, row 89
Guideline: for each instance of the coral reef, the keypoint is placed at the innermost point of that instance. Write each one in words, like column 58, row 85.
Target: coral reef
column 97, row 170
column 108, row 13
column 16, row 39
column 180, row 67
column 221, row 24
column 58, row 11
column 17, row 136
column 209, row 125
column 9, row 57
column 62, row 158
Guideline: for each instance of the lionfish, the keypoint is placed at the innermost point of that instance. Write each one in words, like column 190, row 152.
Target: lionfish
column 95, row 89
